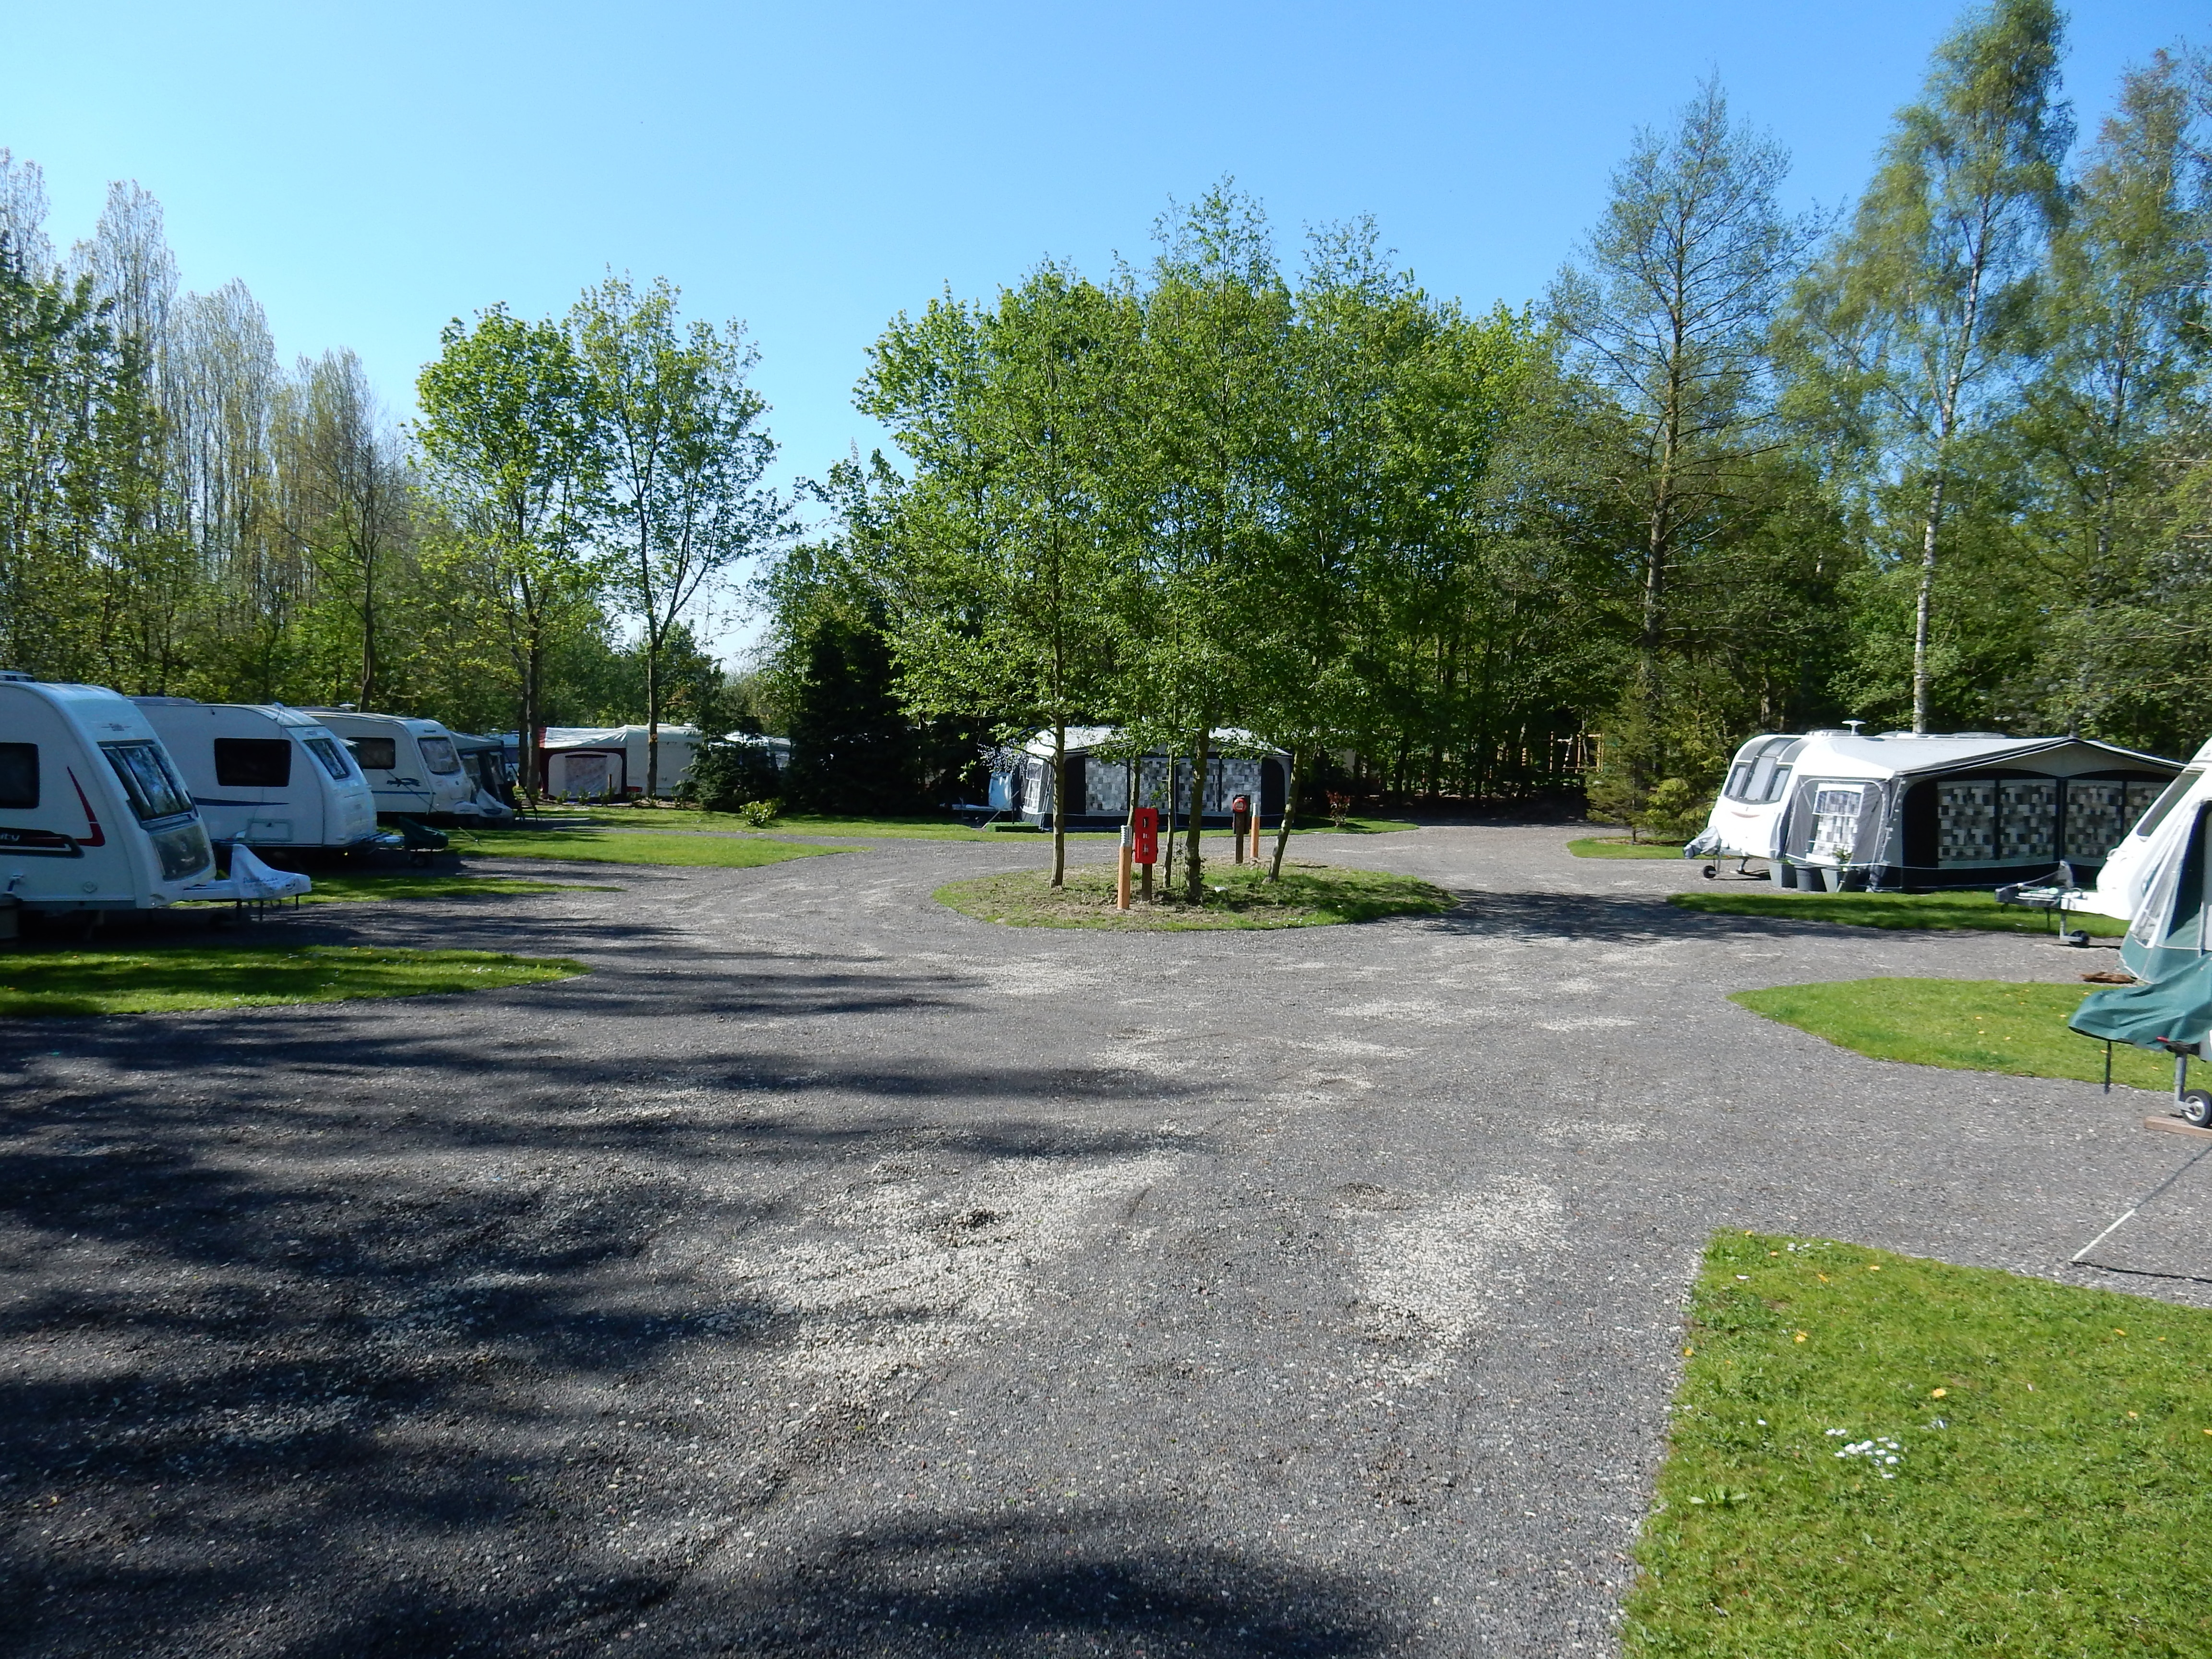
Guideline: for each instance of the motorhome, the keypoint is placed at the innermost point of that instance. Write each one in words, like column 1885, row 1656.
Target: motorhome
column 264, row 774
column 95, row 815
column 1910, row 812
column 591, row 763
column 413, row 768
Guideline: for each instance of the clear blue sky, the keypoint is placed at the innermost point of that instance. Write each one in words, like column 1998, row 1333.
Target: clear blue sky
column 371, row 171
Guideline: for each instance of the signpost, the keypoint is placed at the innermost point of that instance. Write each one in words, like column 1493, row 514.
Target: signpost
column 1140, row 845
column 1242, row 824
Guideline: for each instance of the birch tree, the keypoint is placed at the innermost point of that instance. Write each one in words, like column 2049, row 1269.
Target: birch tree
column 1913, row 326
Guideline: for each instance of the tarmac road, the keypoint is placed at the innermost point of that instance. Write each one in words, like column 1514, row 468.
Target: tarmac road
column 828, row 1273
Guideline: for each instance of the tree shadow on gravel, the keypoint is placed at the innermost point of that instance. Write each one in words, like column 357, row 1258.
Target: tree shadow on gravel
column 1002, row 1590
column 1626, row 918
column 308, row 1309
column 1032, row 1586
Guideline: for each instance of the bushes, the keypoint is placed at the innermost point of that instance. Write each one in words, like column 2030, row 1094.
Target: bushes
column 727, row 776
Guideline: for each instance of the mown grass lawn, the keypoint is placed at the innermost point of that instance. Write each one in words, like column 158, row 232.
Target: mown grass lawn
column 2052, row 1484
column 624, row 846
column 1238, row 896
column 39, row 984
column 349, row 887
column 1620, row 847
column 1962, row 1025
column 1978, row 912
column 679, row 819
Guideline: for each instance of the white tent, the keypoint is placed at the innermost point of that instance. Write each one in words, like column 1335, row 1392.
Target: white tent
column 584, row 763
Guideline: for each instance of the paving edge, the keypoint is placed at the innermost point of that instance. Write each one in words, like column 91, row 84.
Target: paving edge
column 2174, row 1125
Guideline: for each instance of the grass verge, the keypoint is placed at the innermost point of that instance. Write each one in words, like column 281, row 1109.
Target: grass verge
column 1308, row 895
column 679, row 820
column 1961, row 1024
column 342, row 888
column 248, row 976
column 1978, row 912
column 2053, row 1470
column 624, row 846
column 1620, row 847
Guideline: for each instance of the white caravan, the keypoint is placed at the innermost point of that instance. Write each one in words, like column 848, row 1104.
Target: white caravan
column 264, row 774
column 412, row 767
column 1835, row 809
column 94, row 814
column 588, row 763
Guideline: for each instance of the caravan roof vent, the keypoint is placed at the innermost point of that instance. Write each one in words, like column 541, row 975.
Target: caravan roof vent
column 1828, row 732
column 166, row 703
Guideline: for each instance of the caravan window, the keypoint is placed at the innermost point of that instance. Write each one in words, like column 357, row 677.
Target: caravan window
column 1836, row 819
column 155, row 791
column 252, row 762
column 18, row 775
column 1739, row 781
column 2166, row 802
column 332, row 757
column 438, row 754
column 1776, row 786
column 375, row 754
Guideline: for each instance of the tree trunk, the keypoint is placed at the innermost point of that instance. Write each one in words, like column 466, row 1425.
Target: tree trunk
column 1924, row 608
column 1059, row 803
column 652, row 719
column 1193, row 874
column 1289, row 806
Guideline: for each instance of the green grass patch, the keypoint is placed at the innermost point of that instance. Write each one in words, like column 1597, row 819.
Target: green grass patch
column 355, row 888
column 2052, row 1484
column 37, row 983
column 1961, row 1024
column 678, row 820
column 1620, row 847
column 1238, row 896
column 1979, row 911
column 624, row 846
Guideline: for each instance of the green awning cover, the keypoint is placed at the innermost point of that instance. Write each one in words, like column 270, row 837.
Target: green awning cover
column 2168, row 1012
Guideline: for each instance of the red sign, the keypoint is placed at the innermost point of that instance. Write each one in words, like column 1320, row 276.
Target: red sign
column 1145, row 826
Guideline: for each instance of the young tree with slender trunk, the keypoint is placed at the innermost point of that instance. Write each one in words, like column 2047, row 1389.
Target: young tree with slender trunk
column 1913, row 326
column 1010, row 558
column 681, row 502
column 508, row 448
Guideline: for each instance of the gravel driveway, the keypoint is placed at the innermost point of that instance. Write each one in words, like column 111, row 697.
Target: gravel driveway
column 830, row 1273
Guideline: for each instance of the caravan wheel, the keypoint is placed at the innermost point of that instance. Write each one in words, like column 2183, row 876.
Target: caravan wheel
column 2195, row 1107
column 1712, row 873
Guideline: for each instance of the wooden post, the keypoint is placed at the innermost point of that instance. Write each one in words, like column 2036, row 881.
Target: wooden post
column 1128, row 851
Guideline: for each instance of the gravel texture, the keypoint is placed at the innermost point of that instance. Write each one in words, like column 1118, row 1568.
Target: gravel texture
column 831, row 1274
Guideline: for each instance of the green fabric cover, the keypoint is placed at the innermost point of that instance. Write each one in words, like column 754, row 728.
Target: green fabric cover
column 2174, row 1011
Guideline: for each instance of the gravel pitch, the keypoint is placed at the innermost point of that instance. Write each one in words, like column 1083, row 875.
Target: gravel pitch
column 829, row 1273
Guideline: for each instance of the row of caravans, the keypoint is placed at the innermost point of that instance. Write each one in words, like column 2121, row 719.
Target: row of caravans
column 109, row 802
column 602, row 763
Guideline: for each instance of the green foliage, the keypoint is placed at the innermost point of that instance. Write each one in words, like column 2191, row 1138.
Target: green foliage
column 731, row 777
column 1676, row 809
column 44, row 984
column 2052, row 1445
column 1965, row 1025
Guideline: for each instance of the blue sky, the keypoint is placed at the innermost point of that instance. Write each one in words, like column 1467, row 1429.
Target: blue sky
column 372, row 170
